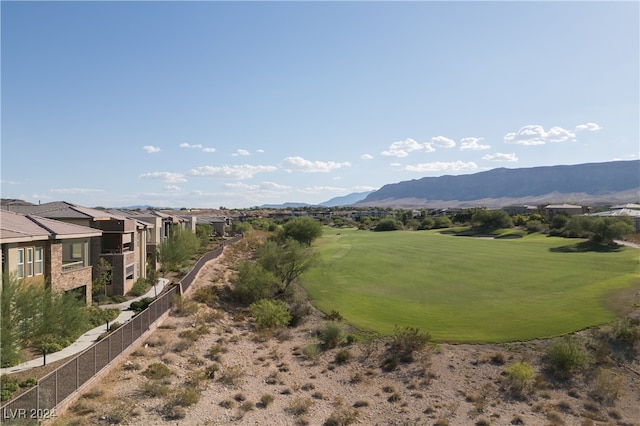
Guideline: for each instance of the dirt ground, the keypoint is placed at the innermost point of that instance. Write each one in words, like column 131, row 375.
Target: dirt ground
column 223, row 372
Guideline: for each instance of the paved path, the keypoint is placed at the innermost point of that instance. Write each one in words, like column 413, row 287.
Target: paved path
column 90, row 337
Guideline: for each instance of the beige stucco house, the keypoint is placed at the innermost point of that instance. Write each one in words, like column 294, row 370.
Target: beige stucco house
column 47, row 251
column 122, row 241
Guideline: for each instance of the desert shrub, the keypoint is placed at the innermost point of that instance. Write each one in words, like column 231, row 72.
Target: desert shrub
column 227, row 403
column 185, row 397
column 175, row 412
column 205, row 295
column 499, row 358
column 390, row 363
column 156, row 371
column 564, row 356
column 155, row 389
column 270, row 314
column 266, row 400
column 331, row 334
column 183, row 307
column 520, row 376
column 300, row 406
column 342, row 416
column 8, row 387
column 606, row 385
column 311, row 351
column 231, row 375
column 343, row 356
column 98, row 316
column 214, row 352
column 627, row 330
column 140, row 305
column 139, row 287
column 182, row 345
column 335, row 316
column 406, row 341
column 298, row 309
column 27, row 383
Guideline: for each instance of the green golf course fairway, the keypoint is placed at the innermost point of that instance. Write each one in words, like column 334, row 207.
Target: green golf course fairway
column 465, row 289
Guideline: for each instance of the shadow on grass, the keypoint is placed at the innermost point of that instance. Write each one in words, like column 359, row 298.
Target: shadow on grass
column 587, row 246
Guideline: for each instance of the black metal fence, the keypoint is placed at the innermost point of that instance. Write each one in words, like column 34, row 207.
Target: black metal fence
column 40, row 402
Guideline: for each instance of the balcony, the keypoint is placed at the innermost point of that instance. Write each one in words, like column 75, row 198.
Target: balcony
column 72, row 266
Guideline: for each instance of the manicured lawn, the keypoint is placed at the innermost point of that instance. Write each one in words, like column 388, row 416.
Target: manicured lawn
column 464, row 289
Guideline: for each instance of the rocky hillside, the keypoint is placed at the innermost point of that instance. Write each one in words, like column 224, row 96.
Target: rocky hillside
column 594, row 183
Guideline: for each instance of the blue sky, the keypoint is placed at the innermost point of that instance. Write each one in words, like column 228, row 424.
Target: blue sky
column 239, row 104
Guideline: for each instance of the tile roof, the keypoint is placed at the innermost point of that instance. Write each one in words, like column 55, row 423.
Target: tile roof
column 16, row 227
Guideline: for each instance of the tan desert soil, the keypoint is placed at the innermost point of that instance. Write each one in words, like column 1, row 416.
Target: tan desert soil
column 451, row 384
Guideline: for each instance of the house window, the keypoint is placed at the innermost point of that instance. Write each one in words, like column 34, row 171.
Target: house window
column 76, row 251
column 30, row 262
column 39, row 261
column 20, row 263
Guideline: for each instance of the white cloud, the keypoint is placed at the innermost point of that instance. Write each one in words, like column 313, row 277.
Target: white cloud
column 164, row 176
column 260, row 151
column 366, row 157
column 364, row 188
column 472, row 144
column 403, row 148
column 302, row 165
column 590, row 127
column 558, row 134
column 321, row 189
column 500, row 157
column 172, row 188
column 442, row 142
column 75, row 190
column 188, row 145
column 438, row 166
column 9, row 182
column 244, row 171
column 272, row 186
column 534, row 134
column 151, row 149
column 238, row 152
column 197, row 146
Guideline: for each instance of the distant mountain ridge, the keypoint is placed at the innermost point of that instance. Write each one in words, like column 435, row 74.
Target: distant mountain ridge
column 616, row 181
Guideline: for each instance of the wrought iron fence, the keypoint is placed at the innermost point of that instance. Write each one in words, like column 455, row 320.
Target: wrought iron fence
column 40, row 402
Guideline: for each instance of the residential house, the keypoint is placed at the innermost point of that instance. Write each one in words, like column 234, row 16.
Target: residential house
column 47, row 251
column 218, row 224
column 122, row 242
column 617, row 212
column 568, row 209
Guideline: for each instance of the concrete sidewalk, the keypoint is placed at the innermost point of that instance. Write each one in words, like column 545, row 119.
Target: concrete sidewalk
column 91, row 336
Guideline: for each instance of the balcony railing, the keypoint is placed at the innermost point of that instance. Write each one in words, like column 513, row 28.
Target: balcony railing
column 70, row 266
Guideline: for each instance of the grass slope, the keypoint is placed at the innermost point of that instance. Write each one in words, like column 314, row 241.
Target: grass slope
column 464, row 289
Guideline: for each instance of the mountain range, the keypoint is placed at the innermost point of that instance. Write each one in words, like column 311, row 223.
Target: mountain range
column 592, row 183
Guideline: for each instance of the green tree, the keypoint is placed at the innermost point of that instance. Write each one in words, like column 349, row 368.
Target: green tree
column 491, row 219
column 178, row 248
column 102, row 274
column 286, row 262
column 442, row 222
column 387, row 225
column 558, row 221
column 203, row 230
column 602, row 230
column 35, row 317
column 302, row 229
column 270, row 313
column 427, row 223
column 252, row 283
